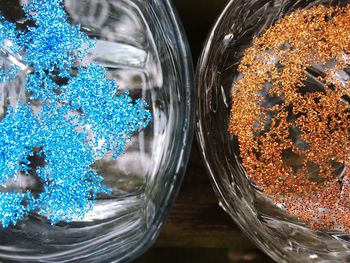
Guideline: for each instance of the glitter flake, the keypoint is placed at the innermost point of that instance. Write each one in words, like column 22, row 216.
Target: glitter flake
column 74, row 118
column 290, row 113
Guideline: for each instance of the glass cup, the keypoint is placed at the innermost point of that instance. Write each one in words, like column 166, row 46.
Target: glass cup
column 281, row 234
column 144, row 49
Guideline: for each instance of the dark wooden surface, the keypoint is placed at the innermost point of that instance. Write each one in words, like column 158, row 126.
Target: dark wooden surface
column 198, row 230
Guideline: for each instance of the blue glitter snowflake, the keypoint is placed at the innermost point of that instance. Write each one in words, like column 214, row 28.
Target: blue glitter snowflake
column 109, row 118
column 73, row 121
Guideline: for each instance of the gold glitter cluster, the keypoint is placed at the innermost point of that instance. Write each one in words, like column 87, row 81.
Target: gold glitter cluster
column 291, row 114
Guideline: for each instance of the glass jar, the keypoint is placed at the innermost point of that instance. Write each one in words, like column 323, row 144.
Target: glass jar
column 142, row 46
column 227, row 79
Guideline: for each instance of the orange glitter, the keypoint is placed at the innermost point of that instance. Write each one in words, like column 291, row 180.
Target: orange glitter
column 291, row 114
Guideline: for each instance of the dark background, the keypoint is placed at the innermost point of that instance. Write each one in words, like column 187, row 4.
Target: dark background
column 197, row 230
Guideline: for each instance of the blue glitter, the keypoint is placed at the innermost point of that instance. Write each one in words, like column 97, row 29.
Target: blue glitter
column 53, row 44
column 8, row 35
column 9, row 74
column 13, row 207
column 69, row 180
column 8, row 41
column 112, row 120
column 73, row 121
column 16, row 141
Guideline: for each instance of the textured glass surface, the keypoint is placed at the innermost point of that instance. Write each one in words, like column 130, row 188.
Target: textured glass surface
column 283, row 236
column 143, row 48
